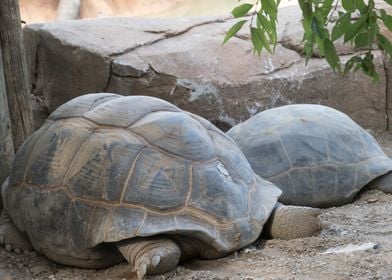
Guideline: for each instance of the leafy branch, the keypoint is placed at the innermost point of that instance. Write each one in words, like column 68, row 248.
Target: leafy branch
column 356, row 22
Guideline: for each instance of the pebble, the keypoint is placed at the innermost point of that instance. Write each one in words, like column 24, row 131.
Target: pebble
column 38, row 270
column 19, row 265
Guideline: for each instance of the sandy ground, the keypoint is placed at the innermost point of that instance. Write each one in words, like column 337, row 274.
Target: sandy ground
column 355, row 243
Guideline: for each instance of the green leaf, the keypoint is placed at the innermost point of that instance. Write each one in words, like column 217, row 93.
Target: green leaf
column 386, row 19
column 308, row 48
column 350, row 63
column 264, row 22
column 373, row 27
column 241, row 10
column 354, row 28
column 371, row 5
column 362, row 40
column 271, row 8
column 361, row 6
column 319, row 29
column 320, row 45
column 266, row 43
column 330, row 55
column 348, row 5
column 270, row 30
column 259, row 40
column 233, row 30
column 307, row 12
column 384, row 44
column 256, row 40
column 341, row 26
column 368, row 67
column 388, row 1
column 308, row 39
column 325, row 8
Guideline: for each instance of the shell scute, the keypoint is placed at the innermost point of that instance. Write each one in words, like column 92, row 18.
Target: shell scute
column 233, row 159
column 98, row 221
column 154, row 223
column 217, row 194
column 164, row 178
column 177, row 133
column 119, row 113
column 313, row 149
column 22, row 157
column 78, row 106
column 263, row 197
column 276, row 160
column 122, row 224
column 102, row 164
column 54, row 153
column 78, row 223
column 303, row 186
column 52, row 208
column 203, row 229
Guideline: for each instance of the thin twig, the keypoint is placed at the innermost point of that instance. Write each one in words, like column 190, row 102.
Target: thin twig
column 333, row 12
column 254, row 13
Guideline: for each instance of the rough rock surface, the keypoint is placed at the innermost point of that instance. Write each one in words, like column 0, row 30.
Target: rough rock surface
column 183, row 61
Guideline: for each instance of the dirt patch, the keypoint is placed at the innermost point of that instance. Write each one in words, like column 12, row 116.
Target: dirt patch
column 355, row 243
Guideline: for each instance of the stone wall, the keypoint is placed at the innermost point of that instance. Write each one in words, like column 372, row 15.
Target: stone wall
column 183, row 61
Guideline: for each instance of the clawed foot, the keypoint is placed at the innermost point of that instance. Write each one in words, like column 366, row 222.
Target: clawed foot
column 11, row 238
column 147, row 263
column 151, row 256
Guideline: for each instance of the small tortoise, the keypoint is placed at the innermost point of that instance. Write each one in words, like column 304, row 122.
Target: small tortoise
column 316, row 155
column 110, row 177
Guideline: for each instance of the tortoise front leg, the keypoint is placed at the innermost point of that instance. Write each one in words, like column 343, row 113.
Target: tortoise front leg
column 290, row 222
column 10, row 237
column 150, row 256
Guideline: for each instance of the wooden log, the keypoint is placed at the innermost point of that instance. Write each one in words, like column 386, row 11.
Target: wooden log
column 15, row 71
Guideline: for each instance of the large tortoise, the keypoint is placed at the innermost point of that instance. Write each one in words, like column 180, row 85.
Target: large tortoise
column 316, row 155
column 109, row 177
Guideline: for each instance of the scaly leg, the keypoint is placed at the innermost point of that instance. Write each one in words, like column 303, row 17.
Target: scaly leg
column 290, row 222
column 10, row 237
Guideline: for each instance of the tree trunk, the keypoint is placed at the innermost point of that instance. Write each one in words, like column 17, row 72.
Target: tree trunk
column 6, row 145
column 15, row 71
column 68, row 9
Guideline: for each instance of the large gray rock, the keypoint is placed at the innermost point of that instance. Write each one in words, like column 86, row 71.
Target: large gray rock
column 183, row 61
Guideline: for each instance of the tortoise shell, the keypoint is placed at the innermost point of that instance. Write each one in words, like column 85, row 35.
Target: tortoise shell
column 316, row 155
column 104, row 168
